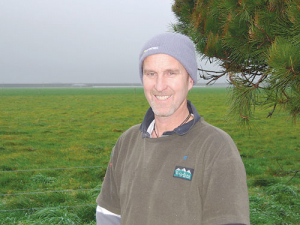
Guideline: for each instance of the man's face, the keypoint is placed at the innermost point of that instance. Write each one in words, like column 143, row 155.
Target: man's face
column 166, row 84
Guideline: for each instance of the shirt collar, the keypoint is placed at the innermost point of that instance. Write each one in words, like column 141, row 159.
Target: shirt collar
column 181, row 130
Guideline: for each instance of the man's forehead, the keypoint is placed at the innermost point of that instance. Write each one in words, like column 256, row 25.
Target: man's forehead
column 156, row 63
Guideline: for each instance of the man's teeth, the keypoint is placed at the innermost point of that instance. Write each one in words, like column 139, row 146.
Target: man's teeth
column 159, row 97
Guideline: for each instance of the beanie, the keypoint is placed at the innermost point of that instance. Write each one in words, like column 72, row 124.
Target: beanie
column 176, row 45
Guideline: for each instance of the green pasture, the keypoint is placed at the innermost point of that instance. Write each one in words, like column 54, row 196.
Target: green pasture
column 55, row 145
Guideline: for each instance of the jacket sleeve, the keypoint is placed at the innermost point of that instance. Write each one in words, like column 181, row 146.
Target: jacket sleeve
column 105, row 217
column 109, row 194
column 224, row 190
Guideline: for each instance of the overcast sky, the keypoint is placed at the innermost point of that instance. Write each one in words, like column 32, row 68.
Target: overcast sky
column 77, row 41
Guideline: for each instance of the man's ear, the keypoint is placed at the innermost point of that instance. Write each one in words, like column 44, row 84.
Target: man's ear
column 191, row 83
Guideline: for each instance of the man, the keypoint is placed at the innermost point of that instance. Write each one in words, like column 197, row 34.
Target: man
column 174, row 168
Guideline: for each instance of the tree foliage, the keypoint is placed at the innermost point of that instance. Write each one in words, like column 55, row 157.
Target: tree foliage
column 257, row 45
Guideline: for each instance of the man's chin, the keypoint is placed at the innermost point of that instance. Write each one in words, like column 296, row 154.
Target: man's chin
column 162, row 113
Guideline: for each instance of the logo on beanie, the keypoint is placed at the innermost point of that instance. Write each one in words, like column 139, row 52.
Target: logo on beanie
column 152, row 48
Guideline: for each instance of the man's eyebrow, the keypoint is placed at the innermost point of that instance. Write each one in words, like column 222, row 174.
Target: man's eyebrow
column 147, row 71
column 167, row 70
column 173, row 70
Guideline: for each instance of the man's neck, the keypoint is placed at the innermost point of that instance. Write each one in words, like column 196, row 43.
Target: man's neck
column 163, row 124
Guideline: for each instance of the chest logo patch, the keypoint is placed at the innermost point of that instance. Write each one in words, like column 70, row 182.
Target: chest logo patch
column 183, row 173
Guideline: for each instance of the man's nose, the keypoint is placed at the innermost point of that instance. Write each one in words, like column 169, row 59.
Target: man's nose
column 161, row 83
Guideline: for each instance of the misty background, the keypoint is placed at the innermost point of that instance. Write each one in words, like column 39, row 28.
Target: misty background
column 76, row 41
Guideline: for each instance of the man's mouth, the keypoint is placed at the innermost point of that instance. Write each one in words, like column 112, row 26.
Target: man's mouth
column 162, row 97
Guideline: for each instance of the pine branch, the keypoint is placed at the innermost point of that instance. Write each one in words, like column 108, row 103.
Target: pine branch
column 271, row 113
column 295, row 173
column 288, row 172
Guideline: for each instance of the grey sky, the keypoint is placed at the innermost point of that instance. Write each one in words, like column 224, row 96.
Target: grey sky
column 77, row 41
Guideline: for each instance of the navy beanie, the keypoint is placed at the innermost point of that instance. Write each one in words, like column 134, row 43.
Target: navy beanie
column 176, row 45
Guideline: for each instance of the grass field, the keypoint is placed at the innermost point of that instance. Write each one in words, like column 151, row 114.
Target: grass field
column 55, row 145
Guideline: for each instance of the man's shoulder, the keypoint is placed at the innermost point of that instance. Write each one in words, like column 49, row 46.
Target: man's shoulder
column 215, row 139
column 205, row 132
column 132, row 131
column 129, row 137
column 208, row 129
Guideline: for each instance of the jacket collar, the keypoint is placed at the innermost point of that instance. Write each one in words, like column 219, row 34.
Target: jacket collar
column 181, row 130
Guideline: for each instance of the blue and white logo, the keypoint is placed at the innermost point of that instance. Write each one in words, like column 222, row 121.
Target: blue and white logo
column 183, row 173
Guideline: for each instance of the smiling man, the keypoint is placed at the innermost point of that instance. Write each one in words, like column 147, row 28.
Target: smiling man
column 174, row 168
column 166, row 85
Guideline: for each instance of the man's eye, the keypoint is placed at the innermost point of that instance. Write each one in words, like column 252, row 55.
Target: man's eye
column 151, row 74
column 171, row 73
